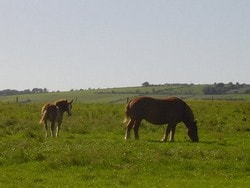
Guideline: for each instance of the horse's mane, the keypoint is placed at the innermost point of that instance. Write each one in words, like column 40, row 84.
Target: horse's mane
column 60, row 101
column 62, row 104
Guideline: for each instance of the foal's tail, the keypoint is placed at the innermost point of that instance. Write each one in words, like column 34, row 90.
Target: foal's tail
column 44, row 115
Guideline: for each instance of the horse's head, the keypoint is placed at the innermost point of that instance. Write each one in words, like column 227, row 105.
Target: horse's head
column 65, row 106
column 69, row 107
column 193, row 132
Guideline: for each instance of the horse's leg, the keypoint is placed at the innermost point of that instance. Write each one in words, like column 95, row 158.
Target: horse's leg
column 171, row 135
column 170, row 127
column 53, row 129
column 58, row 128
column 46, row 129
column 136, row 128
column 128, row 128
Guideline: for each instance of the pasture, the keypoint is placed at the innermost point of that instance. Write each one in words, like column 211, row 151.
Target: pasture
column 91, row 150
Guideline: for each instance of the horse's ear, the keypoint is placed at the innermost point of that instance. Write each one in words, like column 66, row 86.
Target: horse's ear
column 127, row 100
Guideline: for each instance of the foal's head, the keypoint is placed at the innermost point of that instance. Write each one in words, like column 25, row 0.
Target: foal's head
column 64, row 105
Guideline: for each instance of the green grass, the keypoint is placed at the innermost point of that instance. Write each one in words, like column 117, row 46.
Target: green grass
column 92, row 152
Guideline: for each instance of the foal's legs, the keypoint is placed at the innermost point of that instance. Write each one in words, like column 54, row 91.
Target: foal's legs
column 128, row 128
column 170, row 129
column 46, row 128
column 58, row 128
column 53, row 129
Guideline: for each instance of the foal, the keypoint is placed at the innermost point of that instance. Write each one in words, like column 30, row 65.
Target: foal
column 54, row 113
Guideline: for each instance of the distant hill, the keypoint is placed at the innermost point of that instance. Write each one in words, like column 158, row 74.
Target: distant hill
column 119, row 95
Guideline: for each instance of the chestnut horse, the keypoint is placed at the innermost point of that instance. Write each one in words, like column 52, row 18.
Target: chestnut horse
column 54, row 113
column 169, row 111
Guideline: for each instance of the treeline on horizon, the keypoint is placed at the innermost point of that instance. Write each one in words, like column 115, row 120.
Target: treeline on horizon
column 216, row 88
column 221, row 88
column 207, row 89
column 7, row 92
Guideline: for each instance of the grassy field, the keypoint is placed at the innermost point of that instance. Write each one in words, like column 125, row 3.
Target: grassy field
column 92, row 152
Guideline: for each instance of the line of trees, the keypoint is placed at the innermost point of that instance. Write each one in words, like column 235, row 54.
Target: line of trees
column 221, row 88
column 27, row 91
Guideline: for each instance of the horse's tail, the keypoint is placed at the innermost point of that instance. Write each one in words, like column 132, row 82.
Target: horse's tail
column 127, row 113
column 44, row 115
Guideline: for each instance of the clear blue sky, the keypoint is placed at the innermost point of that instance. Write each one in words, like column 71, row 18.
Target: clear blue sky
column 74, row 44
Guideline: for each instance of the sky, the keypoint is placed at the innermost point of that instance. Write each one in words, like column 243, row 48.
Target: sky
column 81, row 44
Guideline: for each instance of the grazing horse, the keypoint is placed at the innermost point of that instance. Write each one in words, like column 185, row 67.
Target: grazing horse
column 54, row 113
column 169, row 111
